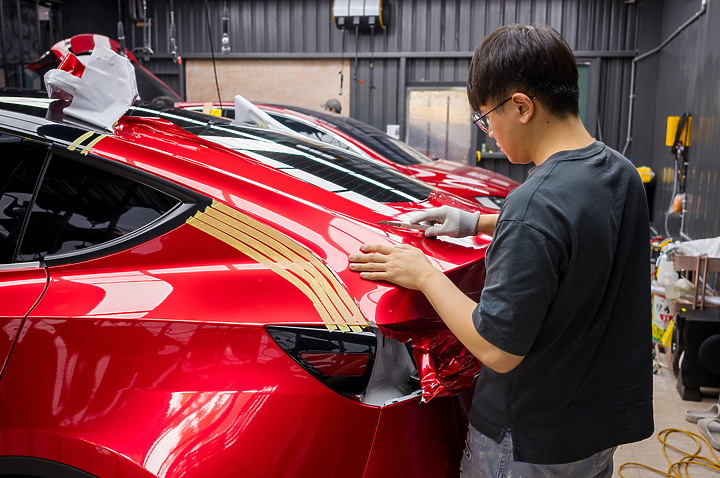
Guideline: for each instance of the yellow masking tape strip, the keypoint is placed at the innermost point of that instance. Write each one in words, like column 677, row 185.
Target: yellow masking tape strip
column 82, row 138
column 268, row 255
column 285, row 251
column 352, row 308
column 198, row 223
column 92, row 143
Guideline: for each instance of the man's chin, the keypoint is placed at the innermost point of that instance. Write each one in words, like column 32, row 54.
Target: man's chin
column 515, row 160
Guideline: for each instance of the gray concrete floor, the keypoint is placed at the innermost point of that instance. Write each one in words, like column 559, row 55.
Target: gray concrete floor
column 669, row 414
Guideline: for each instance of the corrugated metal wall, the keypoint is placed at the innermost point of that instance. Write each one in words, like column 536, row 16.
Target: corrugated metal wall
column 27, row 29
column 426, row 42
column 430, row 42
column 686, row 75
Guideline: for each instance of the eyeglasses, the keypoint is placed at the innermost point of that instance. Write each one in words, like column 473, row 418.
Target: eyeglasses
column 481, row 121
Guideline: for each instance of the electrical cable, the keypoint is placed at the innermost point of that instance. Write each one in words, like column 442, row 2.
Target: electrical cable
column 212, row 50
column 372, row 56
column 355, row 64
column 679, row 468
column 672, row 199
column 342, row 62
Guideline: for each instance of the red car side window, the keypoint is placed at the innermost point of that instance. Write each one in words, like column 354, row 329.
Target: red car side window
column 79, row 205
column 20, row 168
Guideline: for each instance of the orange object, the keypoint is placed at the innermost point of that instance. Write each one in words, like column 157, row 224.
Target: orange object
column 677, row 203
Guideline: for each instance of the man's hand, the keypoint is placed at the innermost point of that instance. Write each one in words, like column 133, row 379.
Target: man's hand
column 408, row 267
column 403, row 265
column 448, row 221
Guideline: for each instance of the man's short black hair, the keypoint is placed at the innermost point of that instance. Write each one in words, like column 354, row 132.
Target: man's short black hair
column 534, row 60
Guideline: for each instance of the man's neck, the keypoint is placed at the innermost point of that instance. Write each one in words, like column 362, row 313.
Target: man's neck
column 560, row 134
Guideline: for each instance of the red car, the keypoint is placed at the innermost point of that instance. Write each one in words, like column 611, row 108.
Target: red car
column 171, row 307
column 473, row 183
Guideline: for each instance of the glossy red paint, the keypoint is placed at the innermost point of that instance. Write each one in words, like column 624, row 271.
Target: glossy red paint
column 169, row 396
column 20, row 289
column 154, row 359
column 437, row 447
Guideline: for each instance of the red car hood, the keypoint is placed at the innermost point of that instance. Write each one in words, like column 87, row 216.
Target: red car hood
column 322, row 228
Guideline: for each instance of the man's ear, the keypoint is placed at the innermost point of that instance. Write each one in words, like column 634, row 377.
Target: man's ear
column 524, row 106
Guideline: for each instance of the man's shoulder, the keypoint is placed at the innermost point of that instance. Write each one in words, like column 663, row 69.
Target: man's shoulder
column 570, row 186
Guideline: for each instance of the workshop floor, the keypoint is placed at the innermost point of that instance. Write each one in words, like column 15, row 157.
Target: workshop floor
column 669, row 414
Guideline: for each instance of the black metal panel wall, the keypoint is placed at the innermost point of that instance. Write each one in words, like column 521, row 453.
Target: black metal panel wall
column 686, row 73
column 426, row 42
column 27, row 29
column 430, row 42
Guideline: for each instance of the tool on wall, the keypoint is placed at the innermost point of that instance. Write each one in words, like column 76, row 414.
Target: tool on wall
column 138, row 14
column 678, row 138
column 171, row 30
column 355, row 62
column 146, row 50
column 121, row 30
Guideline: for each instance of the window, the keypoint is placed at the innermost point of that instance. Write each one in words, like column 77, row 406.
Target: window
column 312, row 132
column 438, row 122
column 20, row 168
column 76, row 206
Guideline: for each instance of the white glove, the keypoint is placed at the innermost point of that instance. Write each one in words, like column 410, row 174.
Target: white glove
column 447, row 221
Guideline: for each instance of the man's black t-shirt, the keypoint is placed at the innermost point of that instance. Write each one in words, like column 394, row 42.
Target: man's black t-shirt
column 568, row 288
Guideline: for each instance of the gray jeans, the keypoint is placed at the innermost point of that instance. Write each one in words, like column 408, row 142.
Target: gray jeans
column 483, row 458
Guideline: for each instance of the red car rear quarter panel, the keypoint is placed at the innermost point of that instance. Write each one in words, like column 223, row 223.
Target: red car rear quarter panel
column 179, row 399
column 185, row 275
column 161, row 356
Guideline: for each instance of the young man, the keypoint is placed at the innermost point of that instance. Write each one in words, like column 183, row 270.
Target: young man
column 563, row 324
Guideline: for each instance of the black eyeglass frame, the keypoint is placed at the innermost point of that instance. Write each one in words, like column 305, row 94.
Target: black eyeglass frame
column 481, row 121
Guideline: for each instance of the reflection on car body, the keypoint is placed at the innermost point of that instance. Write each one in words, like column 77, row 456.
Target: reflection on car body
column 175, row 300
